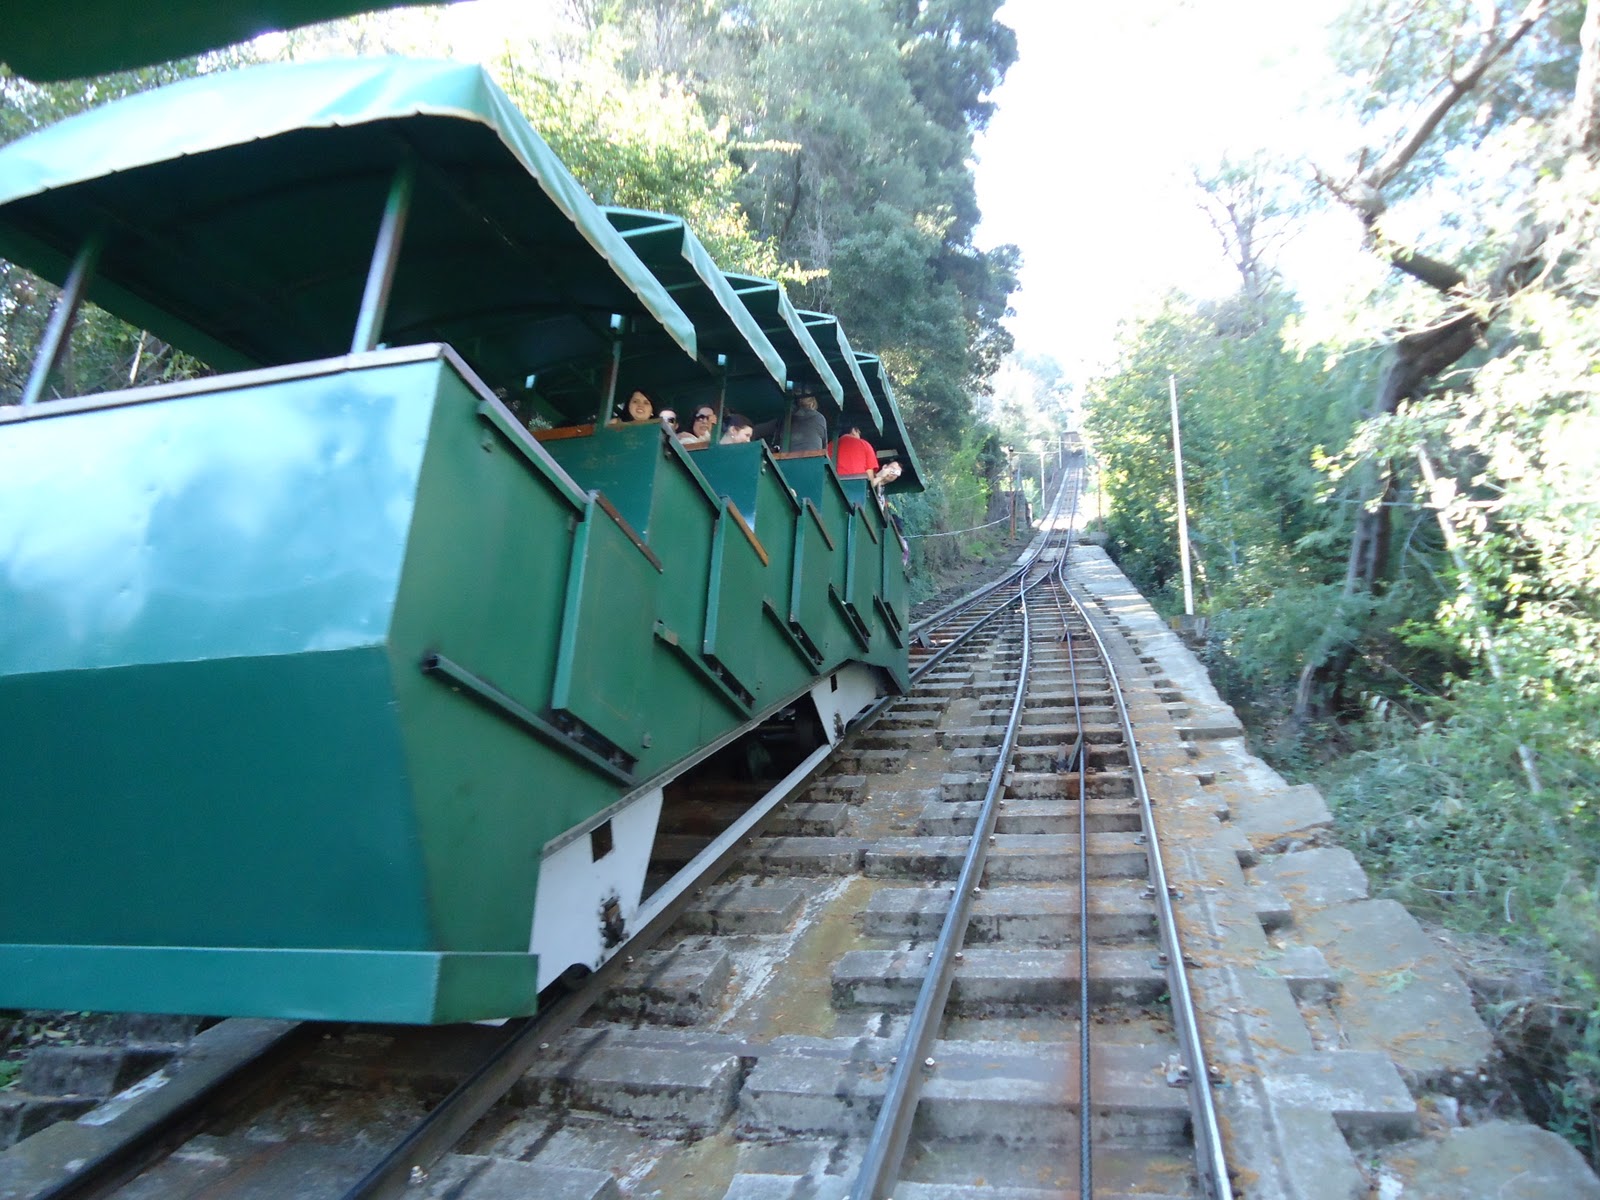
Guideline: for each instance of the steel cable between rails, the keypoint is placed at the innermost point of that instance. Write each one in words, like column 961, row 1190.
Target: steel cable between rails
column 1085, row 1048
column 892, row 1129
column 1210, row 1158
column 886, row 1147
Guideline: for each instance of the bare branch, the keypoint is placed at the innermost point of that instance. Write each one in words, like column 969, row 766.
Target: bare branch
column 1384, row 173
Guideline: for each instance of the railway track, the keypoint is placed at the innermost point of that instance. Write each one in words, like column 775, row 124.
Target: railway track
column 884, row 995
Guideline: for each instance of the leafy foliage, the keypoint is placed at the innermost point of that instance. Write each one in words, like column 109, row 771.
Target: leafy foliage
column 1462, row 750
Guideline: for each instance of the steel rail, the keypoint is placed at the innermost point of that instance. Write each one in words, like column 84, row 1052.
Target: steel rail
column 1033, row 553
column 1016, row 577
column 408, row 1161
column 104, row 1172
column 1209, row 1154
column 886, row 1148
column 1085, row 1047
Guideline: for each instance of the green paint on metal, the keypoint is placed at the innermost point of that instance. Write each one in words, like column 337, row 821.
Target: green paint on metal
column 70, row 38
column 602, row 671
column 722, row 322
column 408, row 987
column 781, row 321
column 860, row 408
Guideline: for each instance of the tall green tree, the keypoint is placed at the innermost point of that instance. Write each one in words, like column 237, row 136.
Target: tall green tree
column 853, row 124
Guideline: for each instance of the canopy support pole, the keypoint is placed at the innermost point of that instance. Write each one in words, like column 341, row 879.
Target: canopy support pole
column 608, row 396
column 58, row 332
column 385, row 257
column 722, row 392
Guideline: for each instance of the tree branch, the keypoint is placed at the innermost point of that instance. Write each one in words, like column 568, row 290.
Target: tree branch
column 1586, row 92
column 1383, row 174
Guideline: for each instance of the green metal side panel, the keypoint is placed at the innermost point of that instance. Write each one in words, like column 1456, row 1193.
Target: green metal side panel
column 814, row 480
column 485, row 586
column 864, row 573
column 894, row 587
column 736, row 637
column 319, row 643
column 602, row 673
column 734, row 473
column 749, row 478
column 810, row 613
column 621, row 462
column 167, row 805
column 204, row 748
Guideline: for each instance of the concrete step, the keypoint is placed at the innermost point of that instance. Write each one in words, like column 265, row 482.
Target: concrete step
column 750, row 1186
column 979, row 1090
column 1105, row 815
column 476, row 1177
column 992, row 981
column 745, row 907
column 1015, row 916
column 971, row 785
column 1047, row 755
column 810, row 818
column 677, row 986
column 872, row 762
column 1012, row 858
column 687, row 1090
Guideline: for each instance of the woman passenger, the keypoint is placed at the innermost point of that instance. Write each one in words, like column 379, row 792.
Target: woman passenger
column 736, row 429
column 699, row 432
column 641, row 407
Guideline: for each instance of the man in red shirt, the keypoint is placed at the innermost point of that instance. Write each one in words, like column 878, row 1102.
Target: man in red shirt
column 854, row 455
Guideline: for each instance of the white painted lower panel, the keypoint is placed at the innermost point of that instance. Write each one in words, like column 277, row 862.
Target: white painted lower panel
column 575, row 888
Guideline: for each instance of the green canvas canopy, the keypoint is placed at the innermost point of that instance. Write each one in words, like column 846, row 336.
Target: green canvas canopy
column 238, row 214
column 894, row 428
column 859, row 406
column 780, row 321
column 754, row 373
column 47, row 40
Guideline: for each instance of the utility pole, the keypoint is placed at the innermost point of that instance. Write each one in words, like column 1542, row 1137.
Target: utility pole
column 1183, row 510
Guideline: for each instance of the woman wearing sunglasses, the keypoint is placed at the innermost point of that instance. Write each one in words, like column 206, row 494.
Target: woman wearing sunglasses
column 700, row 427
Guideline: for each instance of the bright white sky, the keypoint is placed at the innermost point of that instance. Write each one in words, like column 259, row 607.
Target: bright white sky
column 1086, row 165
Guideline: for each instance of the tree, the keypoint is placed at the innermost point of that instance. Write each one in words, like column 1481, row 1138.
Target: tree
column 853, row 126
column 1461, row 298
